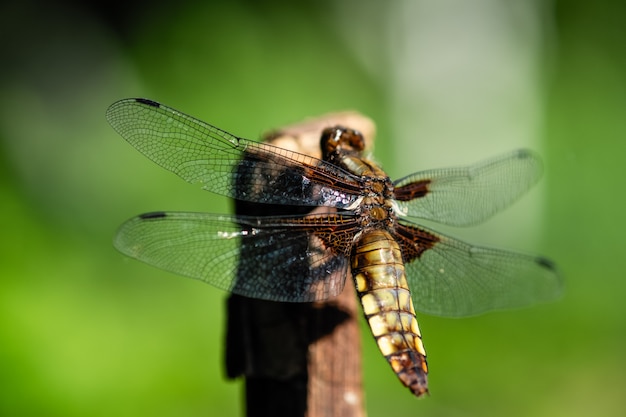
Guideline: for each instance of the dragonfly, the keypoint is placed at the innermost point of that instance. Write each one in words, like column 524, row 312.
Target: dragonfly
column 331, row 218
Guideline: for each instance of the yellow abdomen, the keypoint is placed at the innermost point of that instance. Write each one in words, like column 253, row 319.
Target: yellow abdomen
column 380, row 280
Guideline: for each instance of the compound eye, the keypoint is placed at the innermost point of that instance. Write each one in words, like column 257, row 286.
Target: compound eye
column 331, row 140
column 354, row 138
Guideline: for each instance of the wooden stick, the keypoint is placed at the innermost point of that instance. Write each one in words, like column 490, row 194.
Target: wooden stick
column 298, row 359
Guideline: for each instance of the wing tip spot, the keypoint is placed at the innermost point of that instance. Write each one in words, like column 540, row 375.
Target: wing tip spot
column 153, row 215
column 148, row 102
column 546, row 263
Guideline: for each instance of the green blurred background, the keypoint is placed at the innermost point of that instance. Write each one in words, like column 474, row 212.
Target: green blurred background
column 85, row 331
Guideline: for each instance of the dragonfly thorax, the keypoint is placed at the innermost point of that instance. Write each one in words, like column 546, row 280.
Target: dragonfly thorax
column 376, row 212
column 343, row 147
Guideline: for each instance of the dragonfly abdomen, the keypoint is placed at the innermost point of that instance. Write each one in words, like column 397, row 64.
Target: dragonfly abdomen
column 380, row 280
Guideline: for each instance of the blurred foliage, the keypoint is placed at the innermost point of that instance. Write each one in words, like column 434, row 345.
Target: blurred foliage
column 84, row 331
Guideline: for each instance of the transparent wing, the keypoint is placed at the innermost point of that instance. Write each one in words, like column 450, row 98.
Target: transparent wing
column 448, row 277
column 201, row 153
column 279, row 259
column 468, row 195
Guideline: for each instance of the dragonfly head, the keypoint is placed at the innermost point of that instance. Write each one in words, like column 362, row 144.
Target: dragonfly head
column 339, row 140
